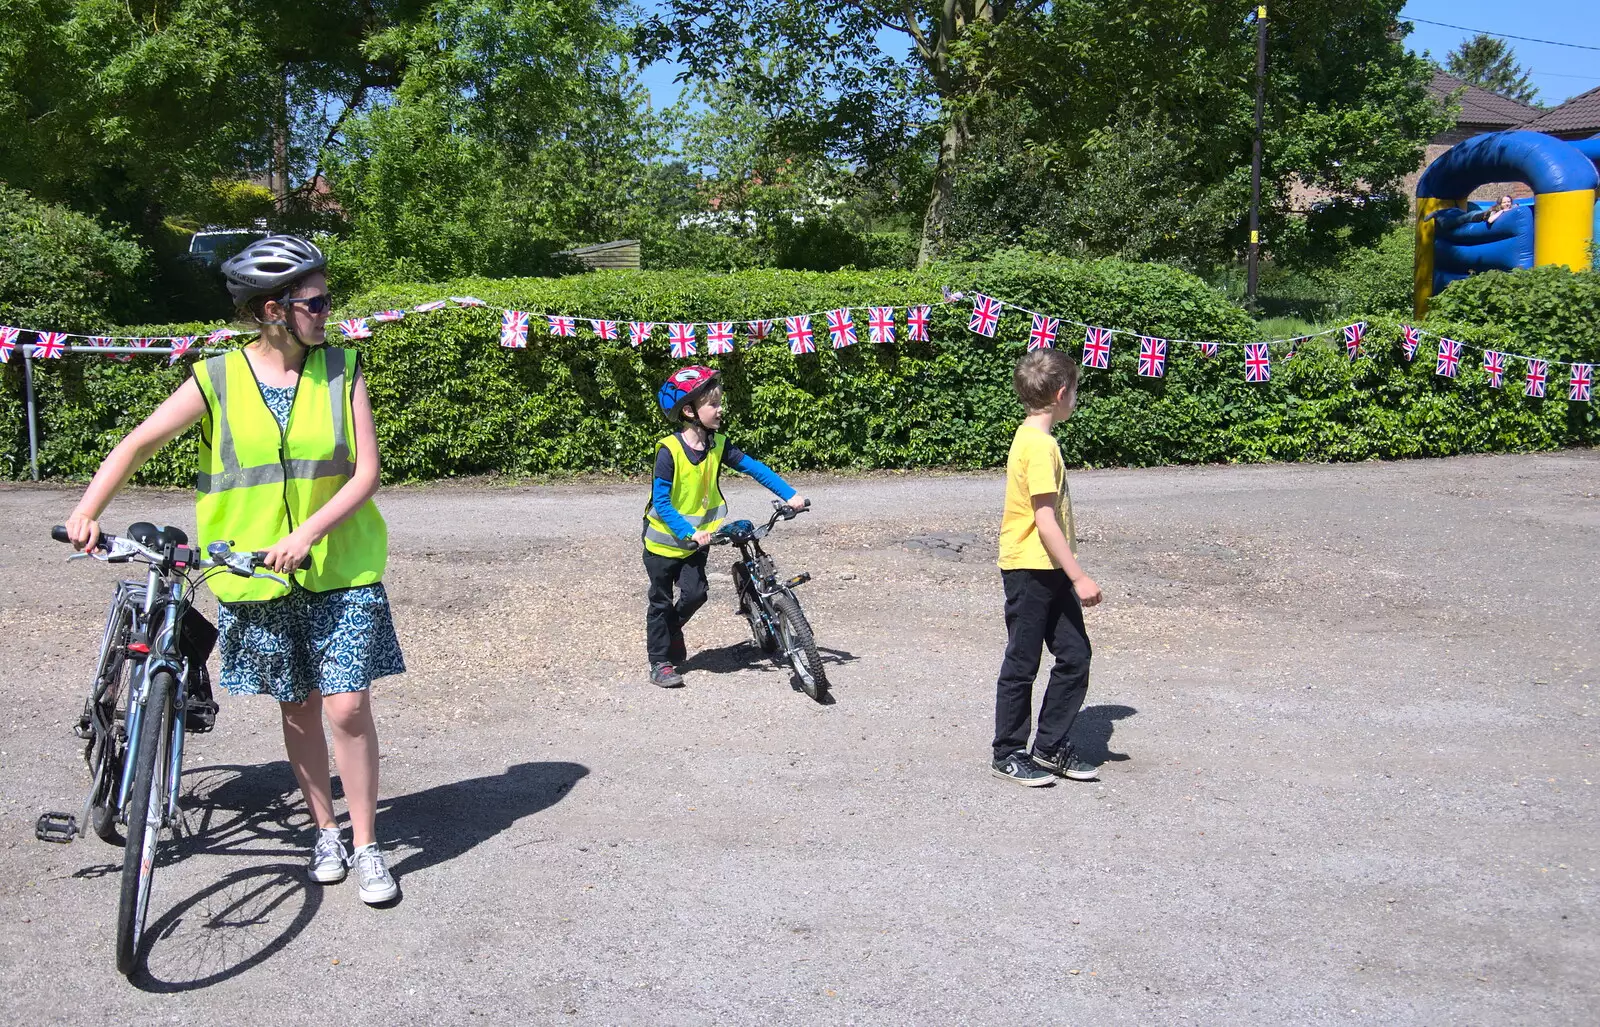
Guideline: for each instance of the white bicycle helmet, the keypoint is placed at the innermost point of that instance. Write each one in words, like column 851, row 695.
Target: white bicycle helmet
column 267, row 266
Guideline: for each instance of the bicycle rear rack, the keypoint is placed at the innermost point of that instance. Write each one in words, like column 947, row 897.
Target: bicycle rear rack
column 59, row 828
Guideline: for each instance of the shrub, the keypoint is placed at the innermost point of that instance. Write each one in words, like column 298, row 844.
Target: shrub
column 60, row 269
column 1546, row 311
column 450, row 401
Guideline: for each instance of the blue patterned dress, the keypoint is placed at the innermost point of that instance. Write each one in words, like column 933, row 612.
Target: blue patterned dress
column 330, row 641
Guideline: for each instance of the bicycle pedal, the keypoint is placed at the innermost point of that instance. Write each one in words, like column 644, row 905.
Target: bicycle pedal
column 60, row 828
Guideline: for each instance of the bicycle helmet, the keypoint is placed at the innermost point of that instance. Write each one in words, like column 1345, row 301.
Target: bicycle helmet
column 268, row 266
column 683, row 386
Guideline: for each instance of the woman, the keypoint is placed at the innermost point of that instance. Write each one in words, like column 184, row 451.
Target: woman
column 289, row 464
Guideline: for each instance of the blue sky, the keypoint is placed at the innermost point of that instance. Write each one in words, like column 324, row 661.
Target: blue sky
column 1559, row 72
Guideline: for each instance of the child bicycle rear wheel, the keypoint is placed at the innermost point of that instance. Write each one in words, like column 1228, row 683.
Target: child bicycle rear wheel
column 800, row 646
column 146, row 805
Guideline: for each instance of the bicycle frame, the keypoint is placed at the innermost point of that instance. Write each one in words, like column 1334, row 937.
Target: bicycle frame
column 164, row 605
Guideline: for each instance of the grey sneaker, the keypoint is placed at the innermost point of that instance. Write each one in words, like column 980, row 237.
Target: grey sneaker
column 330, row 860
column 1017, row 767
column 665, row 675
column 372, row 874
column 1064, row 762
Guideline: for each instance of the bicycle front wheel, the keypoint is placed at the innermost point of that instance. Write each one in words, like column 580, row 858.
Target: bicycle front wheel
column 800, row 646
column 146, row 802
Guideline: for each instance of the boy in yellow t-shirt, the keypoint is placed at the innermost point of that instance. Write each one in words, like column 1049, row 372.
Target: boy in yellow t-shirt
column 1046, row 590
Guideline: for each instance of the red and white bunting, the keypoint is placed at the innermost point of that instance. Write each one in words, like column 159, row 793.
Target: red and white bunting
column 1494, row 365
column 221, row 335
column 841, row 328
column 431, row 305
column 1043, row 333
column 8, row 342
column 1580, row 385
column 355, row 328
column 719, row 338
column 50, row 346
column 1536, row 378
column 1152, row 357
column 1208, row 349
column 467, row 301
column 800, row 334
column 1257, row 362
column 1097, row 348
column 181, row 347
column 757, row 331
column 1410, row 339
column 880, row 326
column 681, row 340
column 1449, row 361
column 514, row 329
column 1353, row 334
column 639, row 333
column 985, row 315
column 386, row 316
column 565, row 327
column 917, row 323
column 604, row 329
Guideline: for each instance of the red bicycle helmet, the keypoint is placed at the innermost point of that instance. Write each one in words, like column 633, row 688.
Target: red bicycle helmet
column 683, row 386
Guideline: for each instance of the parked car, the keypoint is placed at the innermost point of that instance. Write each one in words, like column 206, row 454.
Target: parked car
column 211, row 246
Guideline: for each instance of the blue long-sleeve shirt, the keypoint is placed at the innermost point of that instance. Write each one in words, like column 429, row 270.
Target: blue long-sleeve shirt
column 732, row 457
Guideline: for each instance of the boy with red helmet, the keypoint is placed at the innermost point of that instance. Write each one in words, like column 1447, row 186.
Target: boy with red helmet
column 685, row 507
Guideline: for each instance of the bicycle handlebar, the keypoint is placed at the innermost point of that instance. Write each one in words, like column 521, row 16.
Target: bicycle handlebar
column 781, row 510
column 219, row 555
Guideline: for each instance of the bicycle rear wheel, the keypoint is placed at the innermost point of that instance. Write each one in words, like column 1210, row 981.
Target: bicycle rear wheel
column 750, row 606
column 146, row 803
column 800, row 646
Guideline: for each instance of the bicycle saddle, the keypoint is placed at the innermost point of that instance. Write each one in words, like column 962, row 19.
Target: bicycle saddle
column 147, row 534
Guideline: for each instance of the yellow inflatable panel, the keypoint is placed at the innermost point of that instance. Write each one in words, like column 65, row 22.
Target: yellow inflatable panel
column 1422, row 287
column 1563, row 228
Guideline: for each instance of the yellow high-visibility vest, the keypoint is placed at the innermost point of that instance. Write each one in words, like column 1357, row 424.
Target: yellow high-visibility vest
column 256, row 482
column 696, row 493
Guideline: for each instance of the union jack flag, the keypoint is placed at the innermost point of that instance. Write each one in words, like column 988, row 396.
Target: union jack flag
column 1449, row 358
column 639, row 332
column 880, row 325
column 514, row 329
column 1353, row 334
column 799, row 328
column 180, row 346
column 1208, row 348
column 604, row 329
column 385, row 316
column 564, row 326
column 1097, row 348
column 758, row 330
column 102, row 341
column 1410, row 339
column 1152, row 357
column 682, row 340
column 220, row 335
column 719, row 337
column 8, row 342
column 423, row 308
column 1538, row 374
column 985, row 315
column 141, row 343
column 917, row 323
column 467, row 301
column 1043, row 333
column 1494, row 365
column 1581, row 386
column 51, row 346
column 1294, row 349
column 842, row 328
column 355, row 328
column 1257, row 362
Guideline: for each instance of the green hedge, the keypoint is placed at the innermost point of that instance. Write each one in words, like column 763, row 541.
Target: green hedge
column 451, row 402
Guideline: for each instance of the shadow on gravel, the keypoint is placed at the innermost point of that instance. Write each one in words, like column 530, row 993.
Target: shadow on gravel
column 1091, row 732
column 228, row 928
column 730, row 659
column 443, row 822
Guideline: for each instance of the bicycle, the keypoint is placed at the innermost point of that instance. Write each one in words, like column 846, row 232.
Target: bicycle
column 139, row 707
column 770, row 605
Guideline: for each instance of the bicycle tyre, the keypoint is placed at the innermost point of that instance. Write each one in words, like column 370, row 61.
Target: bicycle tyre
column 750, row 603
column 144, row 811
column 107, row 778
column 800, row 644
column 111, row 688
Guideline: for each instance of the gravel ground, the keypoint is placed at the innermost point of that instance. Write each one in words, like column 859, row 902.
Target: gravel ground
column 1346, row 715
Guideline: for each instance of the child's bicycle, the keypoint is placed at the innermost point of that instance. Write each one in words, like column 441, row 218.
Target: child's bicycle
column 133, row 721
column 777, row 623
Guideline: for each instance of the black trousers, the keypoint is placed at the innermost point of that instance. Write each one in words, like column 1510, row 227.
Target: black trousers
column 663, row 624
column 1041, row 610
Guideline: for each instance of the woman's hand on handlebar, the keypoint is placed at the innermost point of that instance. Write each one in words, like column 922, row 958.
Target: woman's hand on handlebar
column 289, row 553
column 82, row 530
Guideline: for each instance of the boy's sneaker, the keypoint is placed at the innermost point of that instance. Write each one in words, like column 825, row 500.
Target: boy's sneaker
column 1017, row 767
column 372, row 874
column 329, row 860
column 1064, row 762
column 665, row 675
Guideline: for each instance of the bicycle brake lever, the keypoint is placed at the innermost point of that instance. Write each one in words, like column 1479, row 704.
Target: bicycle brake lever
column 269, row 575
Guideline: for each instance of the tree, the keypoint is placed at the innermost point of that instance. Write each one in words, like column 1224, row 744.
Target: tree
column 1490, row 63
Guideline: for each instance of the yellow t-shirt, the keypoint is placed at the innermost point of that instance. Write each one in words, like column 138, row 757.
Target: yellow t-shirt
column 1034, row 468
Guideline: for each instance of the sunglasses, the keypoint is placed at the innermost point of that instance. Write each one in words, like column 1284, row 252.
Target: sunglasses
column 317, row 304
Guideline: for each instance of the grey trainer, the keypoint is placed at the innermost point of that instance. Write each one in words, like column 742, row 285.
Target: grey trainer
column 330, row 860
column 372, row 874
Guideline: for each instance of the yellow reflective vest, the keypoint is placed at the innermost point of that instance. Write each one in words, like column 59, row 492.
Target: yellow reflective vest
column 696, row 493
column 256, row 482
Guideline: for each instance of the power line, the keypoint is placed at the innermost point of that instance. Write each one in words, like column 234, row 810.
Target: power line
column 1503, row 35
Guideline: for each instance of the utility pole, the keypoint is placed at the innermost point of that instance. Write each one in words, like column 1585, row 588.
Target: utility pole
column 1252, row 272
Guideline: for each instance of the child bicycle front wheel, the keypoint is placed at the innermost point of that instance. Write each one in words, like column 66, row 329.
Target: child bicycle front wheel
column 800, row 646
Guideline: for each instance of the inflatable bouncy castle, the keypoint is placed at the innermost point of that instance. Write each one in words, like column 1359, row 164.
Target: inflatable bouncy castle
column 1558, row 226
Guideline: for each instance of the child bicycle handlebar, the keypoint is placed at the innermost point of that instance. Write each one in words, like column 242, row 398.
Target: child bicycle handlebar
column 726, row 534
